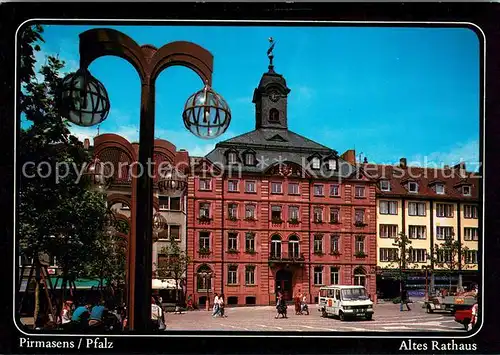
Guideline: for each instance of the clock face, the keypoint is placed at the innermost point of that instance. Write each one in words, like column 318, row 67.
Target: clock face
column 274, row 96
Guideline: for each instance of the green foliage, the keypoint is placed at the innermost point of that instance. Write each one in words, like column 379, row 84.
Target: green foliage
column 445, row 255
column 403, row 260
column 57, row 214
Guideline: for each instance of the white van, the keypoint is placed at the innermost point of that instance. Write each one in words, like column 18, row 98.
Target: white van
column 345, row 301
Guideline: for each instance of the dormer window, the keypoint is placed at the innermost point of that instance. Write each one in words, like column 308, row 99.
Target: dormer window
column 413, row 187
column 315, row 163
column 250, row 159
column 232, row 158
column 385, row 185
column 332, row 164
column 466, row 191
column 274, row 115
column 440, row 189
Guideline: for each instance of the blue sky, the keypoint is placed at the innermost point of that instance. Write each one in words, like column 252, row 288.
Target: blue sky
column 387, row 92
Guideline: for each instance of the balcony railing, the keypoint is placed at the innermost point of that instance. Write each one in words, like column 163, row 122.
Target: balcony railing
column 286, row 257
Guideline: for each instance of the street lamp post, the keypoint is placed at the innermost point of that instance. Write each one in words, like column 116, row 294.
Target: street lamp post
column 85, row 102
column 207, row 276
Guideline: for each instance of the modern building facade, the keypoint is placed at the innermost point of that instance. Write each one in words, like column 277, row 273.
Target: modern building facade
column 429, row 205
column 272, row 211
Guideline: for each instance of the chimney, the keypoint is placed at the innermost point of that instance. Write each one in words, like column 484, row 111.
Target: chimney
column 402, row 163
column 86, row 143
column 461, row 169
column 446, row 166
column 365, row 160
column 349, row 156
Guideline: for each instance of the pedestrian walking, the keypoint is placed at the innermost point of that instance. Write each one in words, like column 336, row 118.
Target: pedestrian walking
column 156, row 316
column 297, row 304
column 405, row 299
column 281, row 307
column 222, row 306
column 216, row 305
column 190, row 303
column 303, row 306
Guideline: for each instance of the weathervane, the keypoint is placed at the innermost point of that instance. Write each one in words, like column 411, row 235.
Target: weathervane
column 270, row 54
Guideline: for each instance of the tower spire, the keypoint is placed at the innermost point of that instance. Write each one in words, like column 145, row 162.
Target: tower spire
column 270, row 54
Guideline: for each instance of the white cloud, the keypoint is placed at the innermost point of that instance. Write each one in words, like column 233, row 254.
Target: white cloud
column 467, row 152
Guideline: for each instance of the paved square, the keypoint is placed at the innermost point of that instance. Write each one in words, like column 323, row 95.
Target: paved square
column 387, row 318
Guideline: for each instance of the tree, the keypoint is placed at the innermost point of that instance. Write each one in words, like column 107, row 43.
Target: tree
column 447, row 257
column 402, row 260
column 174, row 264
column 58, row 214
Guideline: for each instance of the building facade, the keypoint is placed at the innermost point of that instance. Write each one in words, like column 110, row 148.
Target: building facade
column 430, row 206
column 272, row 211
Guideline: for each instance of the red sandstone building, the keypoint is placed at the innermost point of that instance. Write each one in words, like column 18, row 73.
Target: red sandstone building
column 271, row 211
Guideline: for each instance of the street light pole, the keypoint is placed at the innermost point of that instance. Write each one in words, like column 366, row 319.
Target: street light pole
column 149, row 62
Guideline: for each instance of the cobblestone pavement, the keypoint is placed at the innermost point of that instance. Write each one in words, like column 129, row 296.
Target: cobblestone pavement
column 387, row 318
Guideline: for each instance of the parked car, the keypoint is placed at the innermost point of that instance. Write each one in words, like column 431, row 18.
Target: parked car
column 463, row 316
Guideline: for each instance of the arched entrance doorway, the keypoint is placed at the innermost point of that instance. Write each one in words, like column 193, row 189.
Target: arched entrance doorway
column 284, row 283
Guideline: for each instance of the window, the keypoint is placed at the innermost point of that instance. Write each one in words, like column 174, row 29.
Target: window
column 163, row 203
column 293, row 188
column 470, row 211
column 318, row 275
column 466, row 191
column 444, row 256
column 204, row 283
column 334, row 215
column 334, row 190
column 418, row 255
column 385, row 185
column 335, row 244
column 471, row 234
column 175, row 203
column 413, row 187
column 232, row 158
column 443, row 233
column 175, row 232
column 250, row 211
column 388, row 207
column 416, row 208
column 276, row 188
column 205, row 185
column 293, row 246
column 359, row 277
column 232, row 211
column 250, row 186
column 318, row 243
column 332, row 164
column 249, row 159
column 250, row 275
column 318, row 190
column 274, row 115
column 232, row 241
column 359, row 191
column 276, row 246
column 360, row 244
column 124, row 207
column 232, row 275
column 318, row 214
column 417, row 232
column 359, row 216
column 276, row 213
column 388, row 230
column 440, row 189
column 205, row 210
column 232, row 185
column 250, row 300
column 444, row 210
column 204, row 240
column 334, row 275
column 471, row 256
column 315, row 163
column 293, row 213
column 388, row 254
column 250, row 242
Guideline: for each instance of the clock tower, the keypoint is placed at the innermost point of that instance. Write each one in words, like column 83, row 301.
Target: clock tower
column 270, row 98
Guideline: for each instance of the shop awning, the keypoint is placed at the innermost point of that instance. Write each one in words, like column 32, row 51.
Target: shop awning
column 81, row 284
column 164, row 284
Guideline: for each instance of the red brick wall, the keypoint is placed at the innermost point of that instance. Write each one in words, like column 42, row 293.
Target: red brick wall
column 303, row 276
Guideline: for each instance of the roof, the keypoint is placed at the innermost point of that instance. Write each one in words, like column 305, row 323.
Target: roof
column 277, row 138
column 451, row 177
